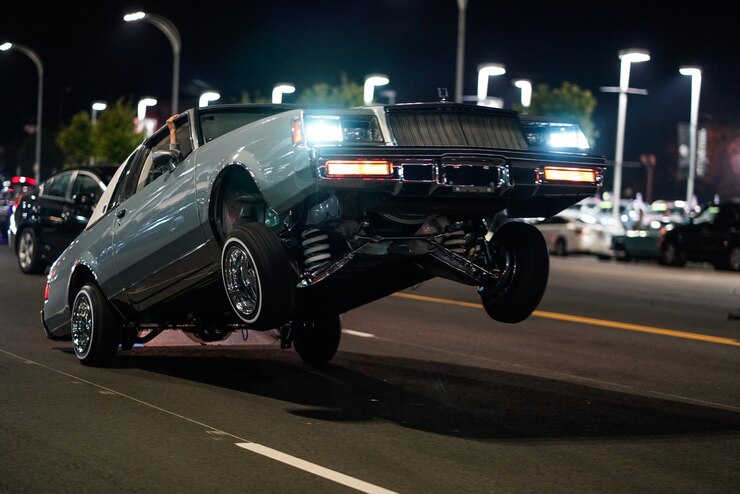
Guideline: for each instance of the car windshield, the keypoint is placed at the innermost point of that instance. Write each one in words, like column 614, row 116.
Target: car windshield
column 216, row 123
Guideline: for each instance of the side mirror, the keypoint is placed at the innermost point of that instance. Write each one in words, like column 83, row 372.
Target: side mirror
column 166, row 158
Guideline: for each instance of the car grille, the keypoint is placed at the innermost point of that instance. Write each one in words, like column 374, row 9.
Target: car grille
column 456, row 128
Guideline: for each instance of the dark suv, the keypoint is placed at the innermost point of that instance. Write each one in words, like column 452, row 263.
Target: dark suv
column 48, row 218
column 713, row 237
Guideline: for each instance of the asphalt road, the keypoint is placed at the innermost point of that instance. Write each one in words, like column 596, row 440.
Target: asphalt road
column 625, row 380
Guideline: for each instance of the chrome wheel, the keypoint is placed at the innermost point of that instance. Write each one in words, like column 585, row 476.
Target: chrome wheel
column 258, row 276
column 242, row 281
column 82, row 325
column 96, row 332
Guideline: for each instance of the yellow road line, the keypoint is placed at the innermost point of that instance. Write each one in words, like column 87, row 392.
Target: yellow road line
column 587, row 320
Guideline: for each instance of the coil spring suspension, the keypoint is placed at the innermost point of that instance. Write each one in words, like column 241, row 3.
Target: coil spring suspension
column 455, row 241
column 315, row 248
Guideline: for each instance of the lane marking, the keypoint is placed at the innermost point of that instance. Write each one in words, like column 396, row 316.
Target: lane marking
column 586, row 320
column 276, row 455
column 358, row 333
column 315, row 469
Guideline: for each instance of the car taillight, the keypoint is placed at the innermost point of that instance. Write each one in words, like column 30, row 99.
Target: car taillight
column 46, row 292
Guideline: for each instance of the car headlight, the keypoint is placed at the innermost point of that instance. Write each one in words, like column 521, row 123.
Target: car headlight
column 337, row 129
column 553, row 134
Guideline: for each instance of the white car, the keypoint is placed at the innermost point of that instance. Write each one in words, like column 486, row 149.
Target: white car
column 566, row 234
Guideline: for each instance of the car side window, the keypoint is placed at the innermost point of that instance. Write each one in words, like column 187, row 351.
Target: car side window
column 85, row 185
column 149, row 171
column 184, row 138
column 57, row 186
column 124, row 188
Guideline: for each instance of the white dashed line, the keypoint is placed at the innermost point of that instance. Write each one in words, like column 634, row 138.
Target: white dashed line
column 358, row 333
column 315, row 469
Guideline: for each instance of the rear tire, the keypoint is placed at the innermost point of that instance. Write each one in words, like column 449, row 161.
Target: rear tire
column 317, row 339
column 560, row 247
column 28, row 252
column 258, row 277
column 521, row 253
column 733, row 260
column 96, row 332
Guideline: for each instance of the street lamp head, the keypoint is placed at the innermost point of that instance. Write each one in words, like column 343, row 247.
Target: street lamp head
column 526, row 87
column 371, row 82
column 6, row 46
column 484, row 72
column 634, row 55
column 134, row 16
column 280, row 89
column 690, row 70
column 207, row 97
column 99, row 105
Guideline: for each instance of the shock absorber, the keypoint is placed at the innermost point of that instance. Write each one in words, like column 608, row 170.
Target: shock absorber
column 315, row 248
column 455, row 240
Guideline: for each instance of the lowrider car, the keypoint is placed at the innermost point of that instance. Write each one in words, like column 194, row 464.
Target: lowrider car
column 280, row 218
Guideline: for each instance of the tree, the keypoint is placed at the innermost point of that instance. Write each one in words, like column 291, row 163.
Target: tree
column 75, row 140
column 256, row 98
column 110, row 140
column 114, row 135
column 347, row 94
column 567, row 101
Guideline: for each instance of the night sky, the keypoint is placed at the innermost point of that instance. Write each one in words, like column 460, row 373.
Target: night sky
column 89, row 53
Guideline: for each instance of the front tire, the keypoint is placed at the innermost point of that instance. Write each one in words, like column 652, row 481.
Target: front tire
column 96, row 333
column 317, row 339
column 733, row 259
column 28, row 252
column 520, row 252
column 671, row 255
column 258, row 277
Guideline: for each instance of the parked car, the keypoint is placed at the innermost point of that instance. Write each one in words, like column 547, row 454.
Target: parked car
column 643, row 243
column 10, row 190
column 282, row 217
column 566, row 234
column 713, row 237
column 47, row 219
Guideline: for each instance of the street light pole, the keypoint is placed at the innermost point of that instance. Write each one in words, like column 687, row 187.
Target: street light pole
column 39, row 100
column 461, row 7
column 695, row 74
column 526, row 87
column 627, row 57
column 169, row 30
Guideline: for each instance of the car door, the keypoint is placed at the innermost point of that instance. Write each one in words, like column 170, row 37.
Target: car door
column 53, row 213
column 714, row 245
column 75, row 210
column 157, row 232
column 700, row 234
